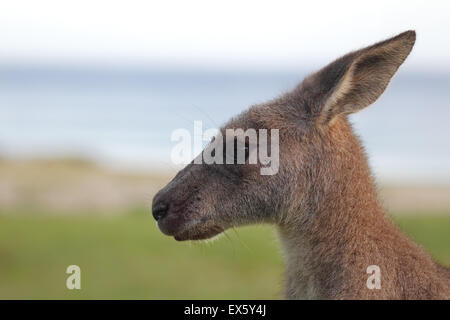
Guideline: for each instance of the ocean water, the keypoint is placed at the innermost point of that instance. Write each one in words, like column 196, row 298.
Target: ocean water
column 125, row 117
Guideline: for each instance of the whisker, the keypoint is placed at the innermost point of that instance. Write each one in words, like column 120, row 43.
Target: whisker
column 240, row 240
column 206, row 114
column 231, row 241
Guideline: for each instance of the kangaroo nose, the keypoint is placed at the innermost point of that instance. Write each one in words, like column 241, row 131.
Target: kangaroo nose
column 159, row 210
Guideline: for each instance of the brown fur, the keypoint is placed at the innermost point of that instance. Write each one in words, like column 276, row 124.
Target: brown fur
column 323, row 200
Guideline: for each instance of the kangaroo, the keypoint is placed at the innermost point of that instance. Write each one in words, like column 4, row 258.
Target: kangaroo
column 323, row 198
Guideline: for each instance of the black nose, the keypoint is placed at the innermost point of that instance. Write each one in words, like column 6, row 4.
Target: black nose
column 159, row 210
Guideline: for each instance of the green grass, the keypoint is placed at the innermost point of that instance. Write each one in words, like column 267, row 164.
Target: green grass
column 431, row 232
column 127, row 257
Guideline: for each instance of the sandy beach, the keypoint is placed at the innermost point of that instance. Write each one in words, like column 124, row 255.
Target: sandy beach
column 68, row 185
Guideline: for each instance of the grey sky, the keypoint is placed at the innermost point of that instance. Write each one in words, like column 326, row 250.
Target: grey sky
column 252, row 34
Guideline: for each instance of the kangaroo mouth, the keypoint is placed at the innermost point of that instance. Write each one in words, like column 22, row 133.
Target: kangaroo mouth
column 182, row 229
column 199, row 233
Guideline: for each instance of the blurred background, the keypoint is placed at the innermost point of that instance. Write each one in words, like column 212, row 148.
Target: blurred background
column 90, row 92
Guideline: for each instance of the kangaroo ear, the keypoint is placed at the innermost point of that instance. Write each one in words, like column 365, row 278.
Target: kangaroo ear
column 357, row 79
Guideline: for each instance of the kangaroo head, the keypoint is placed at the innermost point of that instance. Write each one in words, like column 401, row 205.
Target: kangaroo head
column 309, row 144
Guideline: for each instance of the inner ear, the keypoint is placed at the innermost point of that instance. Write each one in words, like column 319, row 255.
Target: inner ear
column 357, row 79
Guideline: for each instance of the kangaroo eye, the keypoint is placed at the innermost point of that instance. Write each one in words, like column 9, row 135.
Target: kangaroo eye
column 237, row 149
column 235, row 153
column 247, row 150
